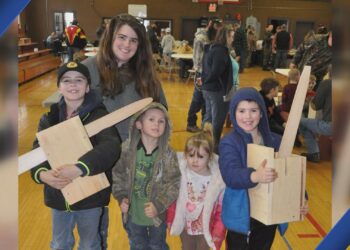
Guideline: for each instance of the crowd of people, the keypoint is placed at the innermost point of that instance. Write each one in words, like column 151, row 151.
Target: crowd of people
column 156, row 188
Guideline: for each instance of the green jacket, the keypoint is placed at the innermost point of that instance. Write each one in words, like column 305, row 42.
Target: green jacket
column 165, row 182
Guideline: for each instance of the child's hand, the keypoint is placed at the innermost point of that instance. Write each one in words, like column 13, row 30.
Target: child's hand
column 68, row 171
column 263, row 174
column 199, row 81
column 304, row 209
column 50, row 178
column 124, row 205
column 150, row 210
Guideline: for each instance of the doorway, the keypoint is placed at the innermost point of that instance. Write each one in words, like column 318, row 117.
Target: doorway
column 277, row 22
column 301, row 29
column 61, row 20
column 189, row 28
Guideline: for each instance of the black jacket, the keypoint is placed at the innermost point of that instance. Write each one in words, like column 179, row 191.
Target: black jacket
column 217, row 72
column 105, row 152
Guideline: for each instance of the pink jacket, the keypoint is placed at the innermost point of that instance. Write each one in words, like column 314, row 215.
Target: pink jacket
column 212, row 223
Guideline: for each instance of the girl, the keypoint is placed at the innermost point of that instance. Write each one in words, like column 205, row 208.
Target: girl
column 123, row 69
column 196, row 216
column 249, row 118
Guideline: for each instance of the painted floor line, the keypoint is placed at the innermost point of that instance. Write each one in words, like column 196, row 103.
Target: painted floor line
column 308, row 235
column 316, row 225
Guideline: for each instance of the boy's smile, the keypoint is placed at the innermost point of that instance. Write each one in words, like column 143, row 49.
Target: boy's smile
column 73, row 86
column 248, row 116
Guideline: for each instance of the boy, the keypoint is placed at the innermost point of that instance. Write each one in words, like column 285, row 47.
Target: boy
column 90, row 215
column 146, row 179
column 250, row 119
column 269, row 90
column 289, row 93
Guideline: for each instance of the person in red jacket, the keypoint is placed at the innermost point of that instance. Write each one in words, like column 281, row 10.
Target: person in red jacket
column 75, row 38
column 288, row 93
column 196, row 215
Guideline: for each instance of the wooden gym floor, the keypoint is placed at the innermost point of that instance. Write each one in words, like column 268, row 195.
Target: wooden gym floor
column 35, row 217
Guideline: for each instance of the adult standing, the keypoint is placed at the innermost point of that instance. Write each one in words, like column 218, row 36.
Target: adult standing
column 217, row 79
column 167, row 44
column 153, row 38
column 75, row 38
column 284, row 42
column 267, row 46
column 202, row 37
column 240, row 45
column 123, row 70
column 316, row 51
column 100, row 30
column 251, row 39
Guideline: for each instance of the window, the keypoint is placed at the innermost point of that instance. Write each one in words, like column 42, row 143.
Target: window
column 62, row 19
column 68, row 18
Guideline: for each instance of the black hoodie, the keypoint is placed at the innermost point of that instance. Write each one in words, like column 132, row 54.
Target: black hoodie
column 217, row 72
column 100, row 159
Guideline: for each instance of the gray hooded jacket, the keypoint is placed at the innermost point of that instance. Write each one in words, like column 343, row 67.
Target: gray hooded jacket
column 165, row 181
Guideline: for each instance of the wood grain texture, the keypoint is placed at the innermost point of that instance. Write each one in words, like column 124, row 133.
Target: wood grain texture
column 279, row 201
column 63, row 148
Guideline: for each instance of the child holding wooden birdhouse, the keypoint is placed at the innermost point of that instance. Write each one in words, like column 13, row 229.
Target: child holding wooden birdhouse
column 90, row 215
column 249, row 118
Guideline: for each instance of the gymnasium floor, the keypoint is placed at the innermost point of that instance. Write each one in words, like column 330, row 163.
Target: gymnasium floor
column 35, row 218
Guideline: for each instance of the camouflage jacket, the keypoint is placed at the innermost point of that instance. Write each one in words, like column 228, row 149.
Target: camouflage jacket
column 314, row 52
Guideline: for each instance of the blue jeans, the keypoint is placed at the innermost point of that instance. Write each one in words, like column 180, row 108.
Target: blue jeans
column 309, row 128
column 146, row 237
column 242, row 60
column 216, row 111
column 71, row 51
column 197, row 104
column 92, row 227
column 281, row 59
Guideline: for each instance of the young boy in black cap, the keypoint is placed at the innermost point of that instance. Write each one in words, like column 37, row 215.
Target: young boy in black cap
column 90, row 215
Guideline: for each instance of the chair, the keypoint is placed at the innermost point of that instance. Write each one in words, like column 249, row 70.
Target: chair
column 169, row 64
column 156, row 61
column 192, row 74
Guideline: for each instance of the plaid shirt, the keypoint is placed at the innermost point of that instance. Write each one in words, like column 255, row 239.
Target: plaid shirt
column 240, row 42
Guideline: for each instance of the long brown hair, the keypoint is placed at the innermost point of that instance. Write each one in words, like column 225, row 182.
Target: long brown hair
column 222, row 35
column 139, row 68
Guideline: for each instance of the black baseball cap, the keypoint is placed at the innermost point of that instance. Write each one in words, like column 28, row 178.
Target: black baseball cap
column 73, row 66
